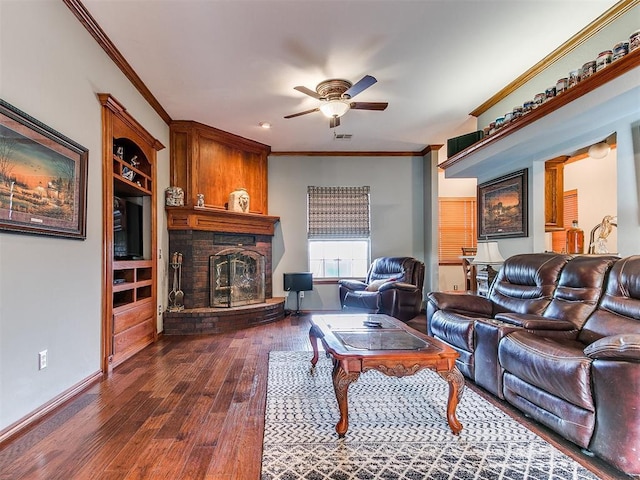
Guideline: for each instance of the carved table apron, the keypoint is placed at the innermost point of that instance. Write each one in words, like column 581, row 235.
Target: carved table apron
column 358, row 343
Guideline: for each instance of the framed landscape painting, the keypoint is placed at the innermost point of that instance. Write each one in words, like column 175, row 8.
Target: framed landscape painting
column 43, row 178
column 502, row 207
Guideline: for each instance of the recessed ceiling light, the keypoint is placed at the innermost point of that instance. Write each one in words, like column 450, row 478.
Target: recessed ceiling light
column 265, row 125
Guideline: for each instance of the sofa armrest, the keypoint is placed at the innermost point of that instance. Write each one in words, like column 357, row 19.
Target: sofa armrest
column 352, row 284
column 535, row 322
column 470, row 304
column 625, row 346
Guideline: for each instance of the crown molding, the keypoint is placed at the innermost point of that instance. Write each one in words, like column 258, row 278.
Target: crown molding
column 85, row 18
column 345, row 154
column 583, row 35
column 421, row 153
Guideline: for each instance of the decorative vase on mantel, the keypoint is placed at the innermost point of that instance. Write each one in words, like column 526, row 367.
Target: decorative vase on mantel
column 239, row 201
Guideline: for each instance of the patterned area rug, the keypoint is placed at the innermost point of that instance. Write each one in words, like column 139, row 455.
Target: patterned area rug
column 397, row 430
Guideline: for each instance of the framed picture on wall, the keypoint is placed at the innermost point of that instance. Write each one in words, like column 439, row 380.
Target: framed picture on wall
column 43, row 178
column 502, row 207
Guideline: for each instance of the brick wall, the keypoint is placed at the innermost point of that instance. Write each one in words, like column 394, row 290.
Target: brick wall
column 196, row 248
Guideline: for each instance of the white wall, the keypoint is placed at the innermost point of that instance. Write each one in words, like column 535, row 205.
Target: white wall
column 618, row 31
column 50, row 288
column 452, row 276
column 596, row 182
column 397, row 223
column 611, row 108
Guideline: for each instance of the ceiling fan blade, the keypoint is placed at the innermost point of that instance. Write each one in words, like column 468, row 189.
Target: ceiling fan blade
column 334, row 122
column 369, row 105
column 303, row 113
column 362, row 84
column 308, row 91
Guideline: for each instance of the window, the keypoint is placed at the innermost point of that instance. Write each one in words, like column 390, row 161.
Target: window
column 458, row 227
column 338, row 231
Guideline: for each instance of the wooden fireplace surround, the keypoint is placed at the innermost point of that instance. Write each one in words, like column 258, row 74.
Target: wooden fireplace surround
column 208, row 161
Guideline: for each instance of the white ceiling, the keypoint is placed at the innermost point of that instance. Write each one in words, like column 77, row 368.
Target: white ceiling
column 232, row 64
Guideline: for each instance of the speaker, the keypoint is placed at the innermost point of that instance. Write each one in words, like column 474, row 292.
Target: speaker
column 298, row 282
column 457, row 144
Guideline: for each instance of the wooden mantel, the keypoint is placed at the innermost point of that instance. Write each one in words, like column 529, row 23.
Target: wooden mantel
column 218, row 220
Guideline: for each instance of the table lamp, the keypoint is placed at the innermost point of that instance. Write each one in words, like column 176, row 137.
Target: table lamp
column 487, row 254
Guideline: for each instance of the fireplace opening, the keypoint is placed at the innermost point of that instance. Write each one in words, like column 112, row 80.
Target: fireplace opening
column 237, row 277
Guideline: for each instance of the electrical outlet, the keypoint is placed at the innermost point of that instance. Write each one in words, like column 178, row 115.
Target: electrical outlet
column 159, row 309
column 301, row 294
column 42, row 359
column 159, row 254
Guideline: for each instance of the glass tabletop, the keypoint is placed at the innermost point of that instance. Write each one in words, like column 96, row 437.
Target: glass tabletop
column 380, row 340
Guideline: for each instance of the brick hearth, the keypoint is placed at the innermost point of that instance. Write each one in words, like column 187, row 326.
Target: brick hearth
column 220, row 320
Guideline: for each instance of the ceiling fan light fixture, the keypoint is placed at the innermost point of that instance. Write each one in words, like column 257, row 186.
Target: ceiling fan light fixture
column 334, row 108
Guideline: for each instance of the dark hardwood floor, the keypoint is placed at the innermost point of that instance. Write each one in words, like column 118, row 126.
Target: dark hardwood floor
column 183, row 408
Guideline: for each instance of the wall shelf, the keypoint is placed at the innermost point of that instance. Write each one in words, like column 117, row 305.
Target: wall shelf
column 218, row 220
column 600, row 79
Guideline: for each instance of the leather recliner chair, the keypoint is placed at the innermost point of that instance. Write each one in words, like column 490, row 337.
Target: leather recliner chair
column 393, row 286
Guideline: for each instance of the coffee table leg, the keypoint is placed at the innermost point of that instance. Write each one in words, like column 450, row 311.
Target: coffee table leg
column 341, row 382
column 314, row 334
column 456, row 388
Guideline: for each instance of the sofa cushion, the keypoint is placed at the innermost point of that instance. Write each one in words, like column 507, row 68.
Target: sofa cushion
column 453, row 328
column 558, row 368
column 616, row 347
column 579, row 288
column 619, row 308
column 572, row 422
column 526, row 282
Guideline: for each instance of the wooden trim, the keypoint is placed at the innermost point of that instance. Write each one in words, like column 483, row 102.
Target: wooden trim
column 106, row 100
column 598, row 79
column 218, row 220
column 38, row 414
column 333, row 281
column 554, row 193
column 582, row 36
column 220, row 136
column 430, row 148
column 114, row 113
column 85, row 18
column 347, row 154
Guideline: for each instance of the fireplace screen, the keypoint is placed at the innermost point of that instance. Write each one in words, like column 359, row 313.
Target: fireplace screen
column 237, row 278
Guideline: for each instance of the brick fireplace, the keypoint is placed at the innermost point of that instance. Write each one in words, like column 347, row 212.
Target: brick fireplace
column 200, row 234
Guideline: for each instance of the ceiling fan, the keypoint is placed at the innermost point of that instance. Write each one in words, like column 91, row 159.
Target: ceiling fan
column 336, row 95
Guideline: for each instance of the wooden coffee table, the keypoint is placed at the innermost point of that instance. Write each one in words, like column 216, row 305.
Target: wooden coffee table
column 358, row 343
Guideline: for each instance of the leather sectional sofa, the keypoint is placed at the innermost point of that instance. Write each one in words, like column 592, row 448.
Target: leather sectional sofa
column 558, row 337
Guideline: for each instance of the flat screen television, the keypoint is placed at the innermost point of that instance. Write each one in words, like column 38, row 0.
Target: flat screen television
column 298, row 282
column 128, row 230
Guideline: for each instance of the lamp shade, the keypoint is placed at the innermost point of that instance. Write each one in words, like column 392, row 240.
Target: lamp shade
column 488, row 254
column 335, row 108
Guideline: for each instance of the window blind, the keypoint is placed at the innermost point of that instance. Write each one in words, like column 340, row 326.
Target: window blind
column 570, row 212
column 458, row 227
column 338, row 212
